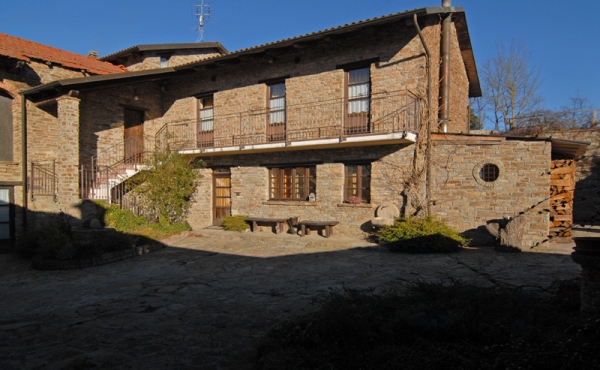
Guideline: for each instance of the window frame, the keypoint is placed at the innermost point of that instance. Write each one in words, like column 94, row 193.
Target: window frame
column 357, row 122
column 359, row 186
column 278, row 190
column 205, row 137
column 270, row 99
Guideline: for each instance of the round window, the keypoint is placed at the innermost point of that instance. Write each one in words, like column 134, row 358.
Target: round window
column 489, row 172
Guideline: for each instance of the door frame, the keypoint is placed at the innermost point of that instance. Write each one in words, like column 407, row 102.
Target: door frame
column 219, row 175
column 7, row 244
column 133, row 151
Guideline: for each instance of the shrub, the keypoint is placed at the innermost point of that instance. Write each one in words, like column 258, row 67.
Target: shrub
column 46, row 240
column 122, row 219
column 421, row 235
column 235, row 223
column 166, row 189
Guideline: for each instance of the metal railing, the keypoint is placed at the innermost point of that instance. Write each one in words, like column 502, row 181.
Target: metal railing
column 125, row 155
column 105, row 183
column 388, row 113
column 43, row 179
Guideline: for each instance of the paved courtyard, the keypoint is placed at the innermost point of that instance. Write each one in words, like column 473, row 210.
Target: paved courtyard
column 205, row 300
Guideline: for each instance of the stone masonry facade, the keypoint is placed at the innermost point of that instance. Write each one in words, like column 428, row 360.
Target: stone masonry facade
column 72, row 129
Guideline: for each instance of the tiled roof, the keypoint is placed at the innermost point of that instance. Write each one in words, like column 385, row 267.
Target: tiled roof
column 26, row 50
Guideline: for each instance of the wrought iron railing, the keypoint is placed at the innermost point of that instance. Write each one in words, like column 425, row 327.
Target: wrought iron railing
column 388, row 113
column 105, row 183
column 43, row 179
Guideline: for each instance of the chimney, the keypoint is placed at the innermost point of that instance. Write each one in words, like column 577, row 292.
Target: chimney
column 93, row 54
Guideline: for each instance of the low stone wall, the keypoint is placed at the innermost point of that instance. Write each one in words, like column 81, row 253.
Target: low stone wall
column 45, row 264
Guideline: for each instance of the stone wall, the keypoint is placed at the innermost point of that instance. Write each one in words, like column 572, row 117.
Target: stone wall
column 586, row 204
column 466, row 202
column 250, row 185
column 313, row 75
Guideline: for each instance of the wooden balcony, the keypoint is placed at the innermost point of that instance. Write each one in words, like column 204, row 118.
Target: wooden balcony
column 392, row 118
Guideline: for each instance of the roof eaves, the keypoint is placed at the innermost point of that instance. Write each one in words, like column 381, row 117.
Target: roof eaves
column 320, row 34
column 151, row 47
column 74, row 82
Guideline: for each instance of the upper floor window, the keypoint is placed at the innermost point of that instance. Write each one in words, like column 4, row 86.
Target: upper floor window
column 358, row 183
column 206, row 121
column 164, row 60
column 6, row 127
column 292, row 183
column 358, row 85
column 359, row 90
column 277, row 103
column 206, row 113
column 276, row 112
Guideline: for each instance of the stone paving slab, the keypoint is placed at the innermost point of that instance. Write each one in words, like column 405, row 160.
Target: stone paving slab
column 203, row 302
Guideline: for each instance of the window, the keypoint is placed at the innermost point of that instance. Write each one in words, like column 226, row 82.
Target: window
column 293, row 183
column 489, row 172
column 277, row 103
column 206, row 121
column 358, row 183
column 6, row 127
column 358, row 83
column 276, row 112
column 164, row 60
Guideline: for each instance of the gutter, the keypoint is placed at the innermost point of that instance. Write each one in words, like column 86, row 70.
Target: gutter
column 24, row 157
column 444, row 110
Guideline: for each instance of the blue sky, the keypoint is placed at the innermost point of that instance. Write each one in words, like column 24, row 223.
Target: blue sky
column 562, row 35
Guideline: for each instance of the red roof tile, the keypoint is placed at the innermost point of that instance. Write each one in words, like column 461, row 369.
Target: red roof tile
column 26, row 50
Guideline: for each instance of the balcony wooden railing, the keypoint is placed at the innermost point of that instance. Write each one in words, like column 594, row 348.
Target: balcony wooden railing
column 43, row 179
column 389, row 112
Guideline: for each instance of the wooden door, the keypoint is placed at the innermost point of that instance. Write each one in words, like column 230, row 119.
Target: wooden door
column 6, row 218
column 134, row 136
column 221, row 197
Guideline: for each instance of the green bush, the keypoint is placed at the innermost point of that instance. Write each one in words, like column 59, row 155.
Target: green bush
column 167, row 187
column 235, row 223
column 122, row 219
column 421, row 235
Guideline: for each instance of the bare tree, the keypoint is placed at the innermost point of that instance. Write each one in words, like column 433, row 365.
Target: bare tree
column 511, row 85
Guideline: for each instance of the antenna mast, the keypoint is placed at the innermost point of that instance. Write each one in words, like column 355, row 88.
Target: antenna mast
column 203, row 15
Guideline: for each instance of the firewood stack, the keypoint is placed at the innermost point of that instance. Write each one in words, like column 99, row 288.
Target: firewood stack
column 562, row 190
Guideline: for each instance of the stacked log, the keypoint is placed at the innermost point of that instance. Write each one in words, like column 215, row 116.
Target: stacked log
column 562, row 190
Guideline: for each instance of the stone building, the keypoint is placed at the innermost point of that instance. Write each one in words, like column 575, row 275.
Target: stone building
column 23, row 65
column 324, row 126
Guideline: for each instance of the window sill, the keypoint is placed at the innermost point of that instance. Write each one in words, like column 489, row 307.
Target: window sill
column 289, row 203
column 363, row 205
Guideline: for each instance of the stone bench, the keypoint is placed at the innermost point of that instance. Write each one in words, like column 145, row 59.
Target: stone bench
column 328, row 225
column 279, row 223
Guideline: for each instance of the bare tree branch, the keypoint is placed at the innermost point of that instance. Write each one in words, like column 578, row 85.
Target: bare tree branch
column 511, row 85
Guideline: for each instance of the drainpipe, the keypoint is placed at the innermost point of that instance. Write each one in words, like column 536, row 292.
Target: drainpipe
column 24, row 156
column 444, row 112
column 428, row 153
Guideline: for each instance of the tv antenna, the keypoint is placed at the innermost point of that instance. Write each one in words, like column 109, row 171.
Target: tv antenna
column 203, row 15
